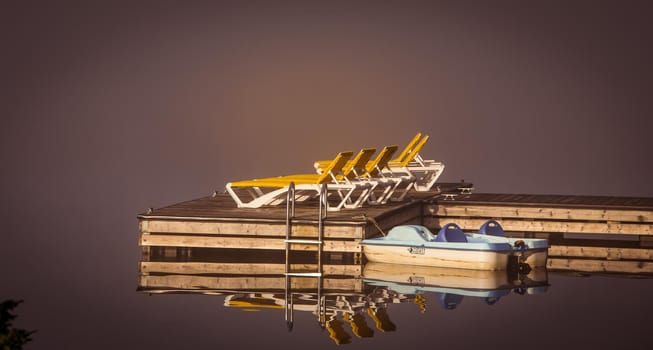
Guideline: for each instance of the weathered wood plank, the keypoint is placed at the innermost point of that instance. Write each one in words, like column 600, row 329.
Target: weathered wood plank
column 610, row 266
column 185, row 282
column 566, row 201
column 193, row 268
column 547, row 226
column 548, row 213
column 609, row 253
column 243, row 243
column 248, row 228
column 410, row 214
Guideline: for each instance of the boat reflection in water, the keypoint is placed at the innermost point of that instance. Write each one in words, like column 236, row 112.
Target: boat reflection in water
column 349, row 298
column 450, row 285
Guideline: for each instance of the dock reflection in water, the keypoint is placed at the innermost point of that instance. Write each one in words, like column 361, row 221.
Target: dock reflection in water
column 349, row 299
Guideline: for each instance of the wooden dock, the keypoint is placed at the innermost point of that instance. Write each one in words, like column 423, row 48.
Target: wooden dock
column 215, row 221
column 592, row 233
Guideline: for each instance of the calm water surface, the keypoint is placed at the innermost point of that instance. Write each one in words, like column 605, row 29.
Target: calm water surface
column 396, row 305
column 79, row 308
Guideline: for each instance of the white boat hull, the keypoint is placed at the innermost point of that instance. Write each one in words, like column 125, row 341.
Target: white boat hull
column 425, row 256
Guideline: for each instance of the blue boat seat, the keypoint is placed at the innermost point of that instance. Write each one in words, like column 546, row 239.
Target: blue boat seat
column 492, row 228
column 449, row 301
column 451, row 233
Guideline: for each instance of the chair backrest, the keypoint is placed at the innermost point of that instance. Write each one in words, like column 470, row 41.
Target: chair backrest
column 414, row 152
column 408, row 147
column 335, row 166
column 492, row 228
column 451, row 233
column 356, row 166
column 381, row 160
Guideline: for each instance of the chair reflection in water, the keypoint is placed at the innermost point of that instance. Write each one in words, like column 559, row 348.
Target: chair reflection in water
column 357, row 322
column 338, row 312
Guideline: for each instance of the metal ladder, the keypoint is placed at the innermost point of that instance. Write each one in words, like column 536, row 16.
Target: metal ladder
column 290, row 214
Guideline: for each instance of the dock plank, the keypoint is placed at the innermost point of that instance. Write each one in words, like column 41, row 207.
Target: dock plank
column 181, row 240
column 245, row 283
column 473, row 224
column 196, row 268
column 543, row 212
column 608, row 253
column 606, row 266
column 568, row 201
column 248, row 228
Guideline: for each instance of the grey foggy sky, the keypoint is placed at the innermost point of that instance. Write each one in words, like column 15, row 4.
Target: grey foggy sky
column 518, row 98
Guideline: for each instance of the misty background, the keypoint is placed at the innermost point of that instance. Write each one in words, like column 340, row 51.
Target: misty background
column 109, row 108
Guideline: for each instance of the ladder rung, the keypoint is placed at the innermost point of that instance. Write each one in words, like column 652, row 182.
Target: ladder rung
column 304, row 274
column 304, row 241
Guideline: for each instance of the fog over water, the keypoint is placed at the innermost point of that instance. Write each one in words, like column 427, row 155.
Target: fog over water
column 108, row 109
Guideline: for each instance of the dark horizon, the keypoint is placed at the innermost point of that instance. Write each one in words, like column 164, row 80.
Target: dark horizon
column 113, row 108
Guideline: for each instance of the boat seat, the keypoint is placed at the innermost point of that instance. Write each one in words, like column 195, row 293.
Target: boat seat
column 449, row 301
column 451, row 233
column 492, row 228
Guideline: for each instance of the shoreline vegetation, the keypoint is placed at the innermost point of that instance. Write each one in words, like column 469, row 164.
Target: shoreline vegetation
column 11, row 338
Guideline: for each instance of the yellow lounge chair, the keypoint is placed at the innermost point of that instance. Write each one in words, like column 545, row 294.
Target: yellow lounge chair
column 347, row 185
column 353, row 169
column 372, row 173
column 375, row 175
column 409, row 163
column 409, row 147
column 352, row 196
column 425, row 172
column 320, row 164
column 384, row 181
column 272, row 191
column 368, row 175
column 402, row 177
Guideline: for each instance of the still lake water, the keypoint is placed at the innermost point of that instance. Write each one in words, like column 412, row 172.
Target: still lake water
column 91, row 301
column 388, row 306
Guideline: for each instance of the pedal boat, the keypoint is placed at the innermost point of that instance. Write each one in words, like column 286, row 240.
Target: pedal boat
column 488, row 249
